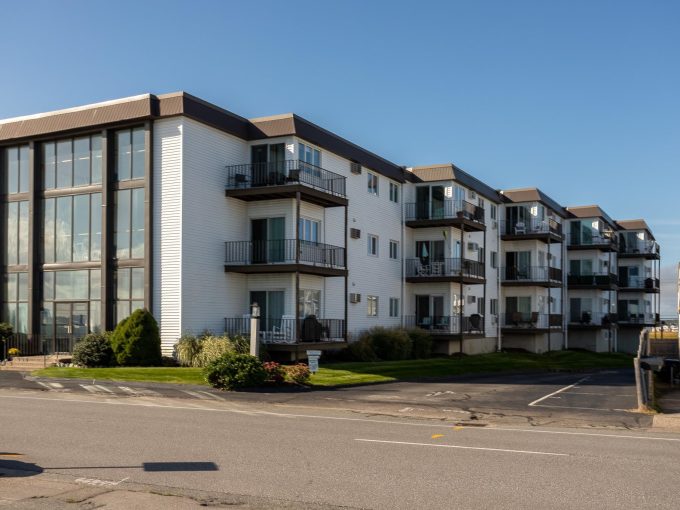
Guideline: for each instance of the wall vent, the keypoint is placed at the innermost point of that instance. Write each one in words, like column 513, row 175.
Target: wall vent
column 355, row 298
column 355, row 168
column 473, row 247
column 355, row 233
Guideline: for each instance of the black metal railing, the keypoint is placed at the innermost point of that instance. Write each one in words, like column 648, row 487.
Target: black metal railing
column 592, row 280
column 607, row 240
column 531, row 227
column 284, row 251
column 531, row 274
column 280, row 173
column 639, row 282
column 446, row 324
column 641, row 246
column 636, row 318
column 531, row 320
column 282, row 330
column 448, row 209
column 444, row 267
column 37, row 345
column 593, row 319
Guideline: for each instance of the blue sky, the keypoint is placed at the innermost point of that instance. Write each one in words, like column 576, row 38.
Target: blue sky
column 579, row 98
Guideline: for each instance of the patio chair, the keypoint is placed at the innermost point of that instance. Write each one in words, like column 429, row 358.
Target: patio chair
column 520, row 228
column 475, row 323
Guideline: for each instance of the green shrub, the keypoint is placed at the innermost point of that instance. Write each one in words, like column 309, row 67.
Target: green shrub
column 362, row 349
column 136, row 341
column 275, row 372
column 298, row 373
column 421, row 343
column 232, row 371
column 6, row 331
column 390, row 344
column 94, row 350
column 242, row 344
column 186, row 349
column 211, row 348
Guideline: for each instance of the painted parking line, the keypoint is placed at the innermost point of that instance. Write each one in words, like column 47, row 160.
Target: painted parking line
column 566, row 388
column 194, row 394
column 480, row 448
column 139, row 392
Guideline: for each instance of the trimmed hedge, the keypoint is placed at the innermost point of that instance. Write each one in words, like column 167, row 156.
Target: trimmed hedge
column 421, row 343
column 94, row 350
column 232, row 371
column 136, row 341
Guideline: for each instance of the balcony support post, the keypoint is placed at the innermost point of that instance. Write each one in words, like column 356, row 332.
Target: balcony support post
column 345, row 328
column 297, row 272
column 462, row 292
column 549, row 289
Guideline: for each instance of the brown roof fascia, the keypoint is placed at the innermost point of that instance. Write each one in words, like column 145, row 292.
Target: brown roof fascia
column 450, row 171
column 591, row 211
column 638, row 224
column 534, row 195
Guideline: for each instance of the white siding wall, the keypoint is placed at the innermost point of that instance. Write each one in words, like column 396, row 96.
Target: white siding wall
column 167, row 229
column 209, row 219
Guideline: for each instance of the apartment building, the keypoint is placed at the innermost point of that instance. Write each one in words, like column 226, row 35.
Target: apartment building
column 174, row 204
column 532, row 275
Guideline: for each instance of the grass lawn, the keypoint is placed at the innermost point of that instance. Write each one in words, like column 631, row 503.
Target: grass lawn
column 341, row 374
column 358, row 373
column 175, row 375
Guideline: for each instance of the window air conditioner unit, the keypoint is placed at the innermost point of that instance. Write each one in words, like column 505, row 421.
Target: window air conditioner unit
column 472, row 299
column 473, row 247
column 355, row 233
column 472, row 195
column 355, row 168
column 355, row 298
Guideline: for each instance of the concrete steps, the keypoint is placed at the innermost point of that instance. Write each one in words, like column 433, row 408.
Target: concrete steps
column 30, row 363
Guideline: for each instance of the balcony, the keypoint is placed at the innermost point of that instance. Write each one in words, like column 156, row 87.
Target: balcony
column 284, row 256
column 588, row 320
column 640, row 249
column 451, row 325
column 603, row 241
column 444, row 270
column 639, row 284
column 602, row 281
column 280, row 333
column 449, row 213
column 530, row 322
column 637, row 319
column 269, row 181
column 543, row 276
column 543, row 230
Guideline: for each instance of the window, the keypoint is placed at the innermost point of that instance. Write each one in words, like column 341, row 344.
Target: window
column 372, row 245
column 15, row 309
column 130, row 154
column 480, row 306
column 493, row 306
column 394, row 250
column 309, row 303
column 480, row 202
column 16, row 246
column 72, row 228
column 493, row 211
column 394, row 192
column 83, row 286
column 129, row 224
column 372, row 183
column 129, row 291
column 72, row 163
column 494, row 259
column 309, row 155
column 394, row 307
column 372, row 302
column 16, row 168
column 308, row 230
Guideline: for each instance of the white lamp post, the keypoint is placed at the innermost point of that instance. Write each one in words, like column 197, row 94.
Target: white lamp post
column 254, row 329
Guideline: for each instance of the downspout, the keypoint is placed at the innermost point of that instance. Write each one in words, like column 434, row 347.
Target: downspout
column 498, row 281
column 402, row 249
column 549, row 292
column 565, row 280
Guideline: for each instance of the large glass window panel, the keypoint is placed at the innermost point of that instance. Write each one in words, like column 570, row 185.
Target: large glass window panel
column 123, row 155
column 64, row 164
column 138, row 153
column 96, row 226
column 23, row 233
column 48, row 285
column 22, row 286
column 12, row 233
column 81, row 228
column 81, row 161
column 49, row 165
column 95, row 284
column 23, row 169
column 48, row 229
column 95, row 316
column 96, row 159
column 71, row 285
column 137, row 227
column 123, row 284
column 122, row 227
column 137, row 283
column 63, row 233
column 11, row 287
column 12, row 166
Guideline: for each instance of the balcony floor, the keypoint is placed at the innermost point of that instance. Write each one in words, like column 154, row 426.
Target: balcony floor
column 546, row 237
column 532, row 283
column 285, row 268
column 307, row 194
column 522, row 330
column 468, row 280
column 470, row 225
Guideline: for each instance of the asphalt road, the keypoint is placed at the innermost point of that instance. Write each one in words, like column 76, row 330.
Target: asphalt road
column 335, row 457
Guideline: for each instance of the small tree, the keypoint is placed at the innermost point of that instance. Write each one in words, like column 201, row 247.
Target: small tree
column 136, row 341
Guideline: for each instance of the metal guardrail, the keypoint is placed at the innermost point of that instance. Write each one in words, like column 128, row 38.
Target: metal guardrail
column 531, row 227
column 283, row 251
column 605, row 240
column 444, row 267
column 36, row 345
column 446, row 324
column 593, row 319
column 642, row 247
column 531, row 320
column 531, row 273
column 446, row 210
column 595, row 279
column 275, row 330
column 280, row 173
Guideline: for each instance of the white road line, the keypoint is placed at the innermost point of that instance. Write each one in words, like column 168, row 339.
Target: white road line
column 129, row 391
column 89, row 387
column 56, row 385
column 584, row 408
column 194, row 394
column 559, row 391
column 220, row 399
column 464, row 447
column 103, row 388
column 334, row 418
column 601, row 394
column 45, row 385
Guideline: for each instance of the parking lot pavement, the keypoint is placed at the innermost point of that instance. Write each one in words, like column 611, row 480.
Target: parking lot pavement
column 597, row 399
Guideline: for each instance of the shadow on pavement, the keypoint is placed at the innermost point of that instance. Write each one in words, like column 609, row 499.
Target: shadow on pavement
column 18, row 469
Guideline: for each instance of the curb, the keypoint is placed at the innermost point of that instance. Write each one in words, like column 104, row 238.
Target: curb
column 669, row 421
